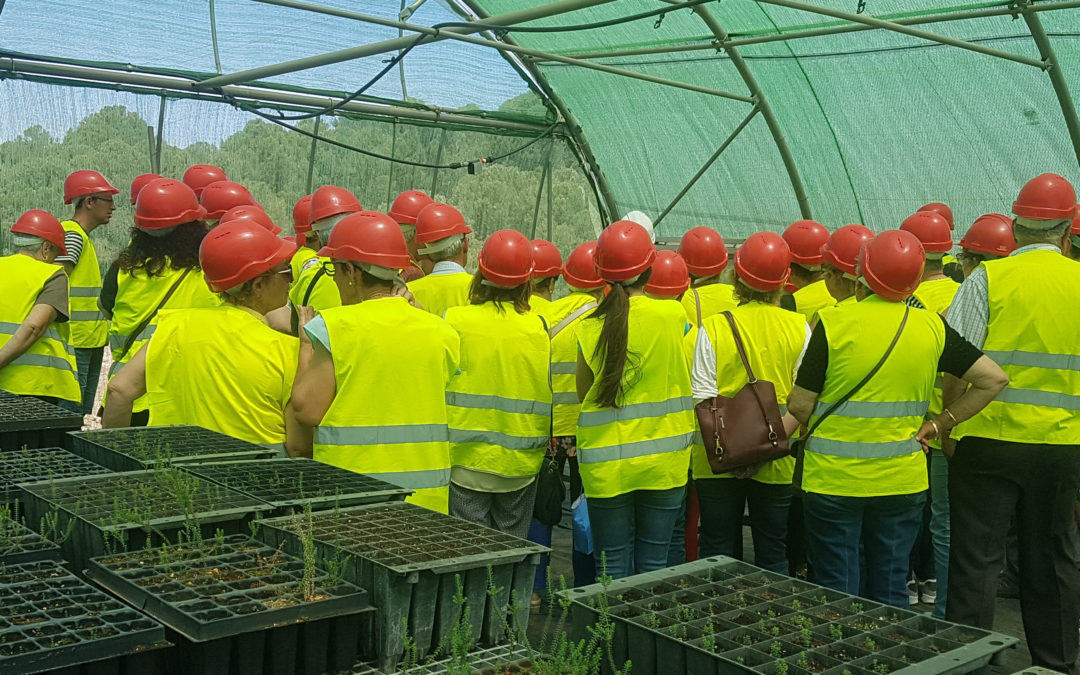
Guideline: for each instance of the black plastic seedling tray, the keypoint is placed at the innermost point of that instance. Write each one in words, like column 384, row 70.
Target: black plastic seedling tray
column 28, row 422
column 240, row 606
column 20, row 544
column 718, row 615
column 29, row 465
column 288, row 484
column 412, row 561
column 137, row 448
column 50, row 620
column 114, row 513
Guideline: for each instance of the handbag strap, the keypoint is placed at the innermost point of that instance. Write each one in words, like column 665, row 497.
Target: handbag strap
column 577, row 314
column 742, row 349
column 294, row 318
column 854, row 390
column 133, row 337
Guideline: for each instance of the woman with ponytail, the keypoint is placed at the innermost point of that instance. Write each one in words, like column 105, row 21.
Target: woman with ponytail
column 637, row 423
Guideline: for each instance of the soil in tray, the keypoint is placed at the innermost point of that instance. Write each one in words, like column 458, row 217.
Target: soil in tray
column 30, row 465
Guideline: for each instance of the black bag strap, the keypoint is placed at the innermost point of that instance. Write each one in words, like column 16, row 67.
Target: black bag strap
column 133, row 337
column 873, row 371
column 294, row 318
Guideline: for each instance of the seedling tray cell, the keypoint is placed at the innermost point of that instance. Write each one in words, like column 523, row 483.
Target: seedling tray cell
column 412, row 561
column 28, row 422
column 29, row 465
column 115, row 513
column 808, row 628
column 20, row 544
column 137, row 448
column 288, row 484
column 51, row 620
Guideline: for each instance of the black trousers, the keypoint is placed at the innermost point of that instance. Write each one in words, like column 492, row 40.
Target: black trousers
column 990, row 482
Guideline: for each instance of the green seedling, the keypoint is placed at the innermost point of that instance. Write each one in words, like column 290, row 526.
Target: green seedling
column 836, row 632
column 776, row 649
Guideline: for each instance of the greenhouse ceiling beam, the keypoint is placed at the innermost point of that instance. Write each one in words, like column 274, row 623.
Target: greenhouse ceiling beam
column 905, row 30
column 395, row 44
column 1057, row 76
column 157, row 83
column 504, row 46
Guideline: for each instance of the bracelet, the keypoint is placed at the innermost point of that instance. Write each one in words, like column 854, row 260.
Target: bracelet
column 937, row 429
column 951, row 416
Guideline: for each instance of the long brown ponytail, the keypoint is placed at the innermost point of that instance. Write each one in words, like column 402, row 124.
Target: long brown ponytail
column 612, row 345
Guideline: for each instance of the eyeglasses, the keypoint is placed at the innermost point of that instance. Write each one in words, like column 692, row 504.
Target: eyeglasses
column 105, row 199
column 286, row 273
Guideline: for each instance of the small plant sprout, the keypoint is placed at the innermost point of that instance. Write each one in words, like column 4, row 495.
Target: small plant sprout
column 803, row 662
column 869, row 644
column 776, row 649
column 775, row 631
column 822, row 599
column 806, row 636
column 747, row 640
column 796, row 605
column 652, row 621
column 857, row 607
column 836, row 632
column 881, row 668
column 781, row 667
column 708, row 642
column 740, row 600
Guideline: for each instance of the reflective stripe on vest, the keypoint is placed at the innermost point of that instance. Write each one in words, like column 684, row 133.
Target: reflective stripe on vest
column 636, row 449
column 635, row 411
column 875, row 409
column 87, row 325
column 826, row 446
column 382, row 435
column 509, row 405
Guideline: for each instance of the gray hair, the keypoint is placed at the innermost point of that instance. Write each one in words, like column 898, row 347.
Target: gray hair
column 26, row 242
column 448, row 252
column 1027, row 231
column 79, row 201
column 327, row 224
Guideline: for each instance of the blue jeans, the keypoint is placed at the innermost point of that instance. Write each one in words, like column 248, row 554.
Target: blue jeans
column 631, row 532
column 884, row 528
column 88, row 366
column 939, row 526
column 722, row 501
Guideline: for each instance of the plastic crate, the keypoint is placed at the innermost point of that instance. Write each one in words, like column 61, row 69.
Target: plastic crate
column 138, row 448
column 29, row 465
column 28, row 422
column 20, row 544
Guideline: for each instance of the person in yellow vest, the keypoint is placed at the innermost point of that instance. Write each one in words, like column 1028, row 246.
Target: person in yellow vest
column 990, row 237
column 442, row 238
column 1019, row 458
column 222, row 367
column 930, row 557
column 313, row 287
column 805, row 238
column 669, row 278
column 706, row 257
column 88, row 329
column 35, row 359
column 775, row 339
column 637, row 423
column 404, row 210
column 373, row 373
column 547, row 266
column 838, row 262
column 158, row 270
column 864, row 472
column 499, row 403
column 950, row 265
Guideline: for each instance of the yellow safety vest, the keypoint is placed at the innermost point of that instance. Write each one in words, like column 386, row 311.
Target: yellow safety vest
column 438, row 292
column 867, row 447
column 564, row 350
column 715, row 298
column 644, row 444
column 199, row 371
column 137, row 295
column 324, row 294
column 302, row 255
column 47, row 368
column 1032, row 335
column 87, row 325
column 948, row 259
column 392, row 364
column 774, row 339
column 541, row 306
column 936, row 295
column 499, row 404
column 812, row 298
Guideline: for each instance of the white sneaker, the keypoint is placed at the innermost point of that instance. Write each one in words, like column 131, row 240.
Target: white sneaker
column 913, row 592
column 928, row 591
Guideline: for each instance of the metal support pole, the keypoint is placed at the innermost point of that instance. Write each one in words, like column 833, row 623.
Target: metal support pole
column 150, row 149
column 213, row 37
column 900, row 28
column 438, row 161
column 390, row 176
column 705, row 167
column 311, row 154
column 160, row 131
column 504, row 46
column 508, row 19
column 540, row 191
column 1057, row 77
column 550, row 193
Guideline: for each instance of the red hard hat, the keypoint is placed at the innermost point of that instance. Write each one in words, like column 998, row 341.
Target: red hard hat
column 669, row 278
column 805, row 239
column 1046, row 197
column 139, row 183
column 438, row 221
column 301, row 215
column 506, row 259
column 38, row 223
column 165, row 203
column 932, row 229
column 255, row 214
column 941, row 209
column 368, row 237
column 579, row 270
column 219, row 197
column 763, row 262
column 331, row 200
column 238, row 251
column 408, row 205
column 844, row 245
column 992, row 233
column 547, row 261
column 86, row 182
column 623, row 251
column 704, row 252
column 199, row 176
column 892, row 264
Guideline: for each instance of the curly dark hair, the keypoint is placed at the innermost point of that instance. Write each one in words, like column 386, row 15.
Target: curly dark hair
column 178, row 250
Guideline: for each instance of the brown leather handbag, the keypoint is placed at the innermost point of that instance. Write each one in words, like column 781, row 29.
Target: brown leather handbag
column 746, row 429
